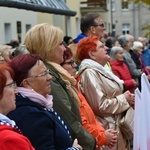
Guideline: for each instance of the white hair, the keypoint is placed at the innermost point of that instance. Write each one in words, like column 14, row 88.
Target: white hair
column 137, row 45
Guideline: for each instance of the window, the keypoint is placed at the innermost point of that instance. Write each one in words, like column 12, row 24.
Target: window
column 113, row 30
column 124, row 4
column 19, row 30
column 7, row 27
column 28, row 26
column 125, row 29
column 113, row 6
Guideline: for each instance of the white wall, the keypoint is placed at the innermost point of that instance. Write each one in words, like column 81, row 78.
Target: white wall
column 11, row 16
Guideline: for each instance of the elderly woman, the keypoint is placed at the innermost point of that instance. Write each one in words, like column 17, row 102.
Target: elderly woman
column 46, row 40
column 101, row 88
column 34, row 114
column 120, row 69
column 136, row 53
column 127, row 43
column 10, row 135
column 5, row 52
column 104, row 137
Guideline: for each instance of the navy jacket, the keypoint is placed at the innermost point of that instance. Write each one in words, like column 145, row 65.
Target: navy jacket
column 40, row 125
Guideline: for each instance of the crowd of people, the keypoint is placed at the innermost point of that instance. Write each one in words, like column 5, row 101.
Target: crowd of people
column 64, row 93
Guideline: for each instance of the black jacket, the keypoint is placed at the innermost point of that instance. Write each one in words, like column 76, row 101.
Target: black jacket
column 40, row 125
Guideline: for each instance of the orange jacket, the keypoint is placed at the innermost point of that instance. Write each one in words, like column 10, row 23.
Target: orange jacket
column 90, row 123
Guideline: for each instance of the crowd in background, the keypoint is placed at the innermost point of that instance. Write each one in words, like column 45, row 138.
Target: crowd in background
column 69, row 93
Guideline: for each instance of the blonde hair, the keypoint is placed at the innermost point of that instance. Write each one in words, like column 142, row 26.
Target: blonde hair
column 5, row 52
column 43, row 39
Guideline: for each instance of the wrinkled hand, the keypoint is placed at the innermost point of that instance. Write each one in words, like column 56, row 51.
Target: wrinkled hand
column 75, row 144
column 112, row 136
column 130, row 97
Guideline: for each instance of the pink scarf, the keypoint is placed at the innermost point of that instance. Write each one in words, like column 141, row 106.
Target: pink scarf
column 36, row 97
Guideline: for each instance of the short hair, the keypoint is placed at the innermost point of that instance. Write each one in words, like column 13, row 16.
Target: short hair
column 3, row 79
column 5, row 52
column 114, row 51
column 123, row 40
column 67, row 54
column 85, row 45
column 43, row 39
column 137, row 45
column 21, row 65
column 110, row 42
column 87, row 21
column 66, row 39
column 14, row 43
column 20, row 50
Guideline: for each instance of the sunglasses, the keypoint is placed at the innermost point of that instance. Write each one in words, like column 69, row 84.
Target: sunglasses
column 101, row 25
column 72, row 63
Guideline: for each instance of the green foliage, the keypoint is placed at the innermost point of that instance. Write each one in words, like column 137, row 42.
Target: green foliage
column 147, row 2
column 147, row 28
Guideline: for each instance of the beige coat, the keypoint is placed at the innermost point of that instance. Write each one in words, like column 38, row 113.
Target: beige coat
column 105, row 97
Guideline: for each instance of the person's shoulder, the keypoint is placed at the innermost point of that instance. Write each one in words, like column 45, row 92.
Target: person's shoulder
column 8, row 133
column 10, row 139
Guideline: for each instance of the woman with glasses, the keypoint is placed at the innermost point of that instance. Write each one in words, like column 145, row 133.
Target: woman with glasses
column 11, row 136
column 102, row 89
column 46, row 40
column 108, row 137
column 34, row 114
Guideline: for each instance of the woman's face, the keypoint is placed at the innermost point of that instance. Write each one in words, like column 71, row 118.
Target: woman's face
column 70, row 66
column 128, row 46
column 139, row 51
column 2, row 60
column 39, row 79
column 100, row 55
column 58, row 56
column 7, row 101
column 119, row 55
column 117, row 44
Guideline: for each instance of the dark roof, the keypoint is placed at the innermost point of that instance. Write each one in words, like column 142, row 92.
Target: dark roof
column 48, row 6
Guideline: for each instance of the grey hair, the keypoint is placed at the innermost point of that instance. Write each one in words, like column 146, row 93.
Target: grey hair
column 20, row 50
column 137, row 45
column 123, row 40
column 114, row 51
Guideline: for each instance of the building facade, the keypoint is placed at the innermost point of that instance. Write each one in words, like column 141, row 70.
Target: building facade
column 14, row 23
column 120, row 17
column 129, row 18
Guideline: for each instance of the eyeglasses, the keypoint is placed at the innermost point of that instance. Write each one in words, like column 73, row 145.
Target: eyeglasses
column 72, row 63
column 101, row 25
column 44, row 74
column 12, row 85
